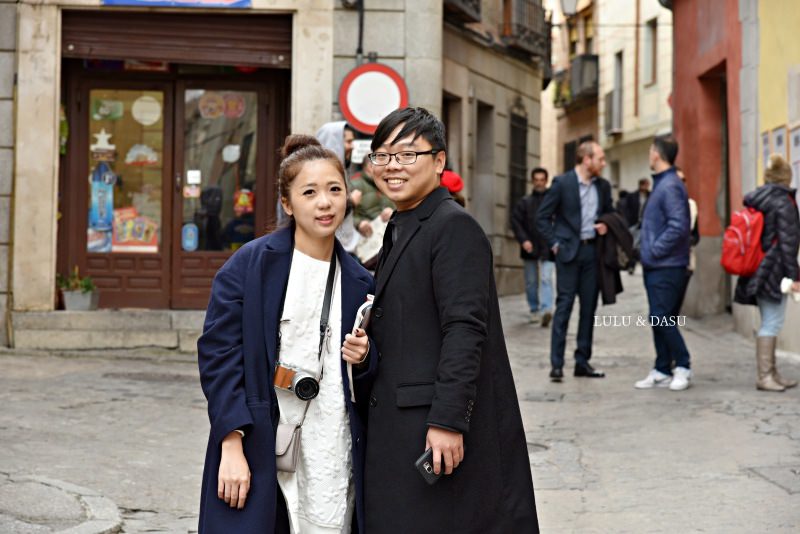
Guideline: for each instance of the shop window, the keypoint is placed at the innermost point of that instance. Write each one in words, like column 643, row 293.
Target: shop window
column 588, row 32
column 126, row 136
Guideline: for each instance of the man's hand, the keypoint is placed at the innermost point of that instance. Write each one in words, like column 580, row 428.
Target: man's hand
column 447, row 446
column 355, row 197
column 796, row 287
column 233, row 481
column 386, row 214
column 355, row 347
column 601, row 228
column 365, row 228
column 527, row 246
column 555, row 250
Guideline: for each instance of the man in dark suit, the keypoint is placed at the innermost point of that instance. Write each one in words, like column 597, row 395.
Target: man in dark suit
column 576, row 199
column 443, row 381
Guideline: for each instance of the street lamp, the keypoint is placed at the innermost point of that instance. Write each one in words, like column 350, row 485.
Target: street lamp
column 569, row 7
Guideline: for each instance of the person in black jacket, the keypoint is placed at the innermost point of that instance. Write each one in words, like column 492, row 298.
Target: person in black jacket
column 780, row 240
column 536, row 255
column 444, row 381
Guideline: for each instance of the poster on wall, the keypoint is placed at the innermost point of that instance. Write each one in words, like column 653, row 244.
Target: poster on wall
column 779, row 141
column 765, row 148
column 134, row 232
column 794, row 156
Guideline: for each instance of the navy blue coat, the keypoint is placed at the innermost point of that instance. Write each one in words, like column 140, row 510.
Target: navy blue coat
column 666, row 231
column 237, row 355
column 563, row 201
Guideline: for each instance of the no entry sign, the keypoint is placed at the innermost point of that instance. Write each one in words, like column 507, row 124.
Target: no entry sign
column 369, row 93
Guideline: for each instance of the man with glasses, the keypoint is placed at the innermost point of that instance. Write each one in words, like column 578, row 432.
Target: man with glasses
column 443, row 378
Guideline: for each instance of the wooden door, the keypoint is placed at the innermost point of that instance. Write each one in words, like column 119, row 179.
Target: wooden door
column 118, row 228
column 225, row 140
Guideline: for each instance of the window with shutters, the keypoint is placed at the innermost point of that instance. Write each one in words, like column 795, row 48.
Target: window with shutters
column 518, row 159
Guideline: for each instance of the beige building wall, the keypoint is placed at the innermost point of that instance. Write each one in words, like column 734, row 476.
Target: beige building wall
column 482, row 87
column 646, row 110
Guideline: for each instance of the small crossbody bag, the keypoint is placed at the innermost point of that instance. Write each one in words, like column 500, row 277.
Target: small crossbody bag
column 288, row 435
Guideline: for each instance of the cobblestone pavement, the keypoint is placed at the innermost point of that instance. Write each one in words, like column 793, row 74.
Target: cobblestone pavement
column 719, row 457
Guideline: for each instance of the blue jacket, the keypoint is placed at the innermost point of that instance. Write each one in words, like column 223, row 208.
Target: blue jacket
column 666, row 232
column 237, row 354
column 559, row 215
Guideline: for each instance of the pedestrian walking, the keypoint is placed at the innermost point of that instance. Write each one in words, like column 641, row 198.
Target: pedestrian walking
column 444, row 382
column 567, row 218
column 295, row 294
column 780, row 240
column 665, row 256
column 536, row 256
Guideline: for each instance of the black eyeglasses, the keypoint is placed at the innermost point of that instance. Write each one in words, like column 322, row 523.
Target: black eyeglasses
column 406, row 157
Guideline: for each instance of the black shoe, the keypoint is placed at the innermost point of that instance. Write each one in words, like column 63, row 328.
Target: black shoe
column 587, row 371
column 546, row 318
column 556, row 374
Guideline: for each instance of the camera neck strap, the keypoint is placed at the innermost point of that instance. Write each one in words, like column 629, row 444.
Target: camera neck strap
column 326, row 306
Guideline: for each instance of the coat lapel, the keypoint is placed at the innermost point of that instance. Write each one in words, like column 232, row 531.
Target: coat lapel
column 410, row 229
column 574, row 192
column 275, row 274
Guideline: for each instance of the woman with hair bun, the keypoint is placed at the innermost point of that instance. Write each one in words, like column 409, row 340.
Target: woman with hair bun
column 273, row 357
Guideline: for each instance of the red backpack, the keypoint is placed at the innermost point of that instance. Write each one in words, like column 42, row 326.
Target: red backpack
column 741, row 243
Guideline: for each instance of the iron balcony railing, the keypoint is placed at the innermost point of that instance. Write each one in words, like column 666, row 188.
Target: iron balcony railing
column 579, row 83
column 463, row 10
column 525, row 27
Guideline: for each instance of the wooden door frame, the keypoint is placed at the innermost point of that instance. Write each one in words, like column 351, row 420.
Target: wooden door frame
column 75, row 192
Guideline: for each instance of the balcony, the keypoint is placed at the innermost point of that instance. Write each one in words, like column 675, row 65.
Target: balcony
column 462, row 11
column 525, row 28
column 578, row 84
column 613, row 112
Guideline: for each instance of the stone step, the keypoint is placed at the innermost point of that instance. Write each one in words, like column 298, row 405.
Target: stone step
column 109, row 320
column 108, row 329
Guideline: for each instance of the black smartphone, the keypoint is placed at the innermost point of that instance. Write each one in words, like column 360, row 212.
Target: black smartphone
column 424, row 465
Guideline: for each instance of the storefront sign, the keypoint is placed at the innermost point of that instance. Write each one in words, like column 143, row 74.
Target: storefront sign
column 180, row 3
column 361, row 147
column 370, row 92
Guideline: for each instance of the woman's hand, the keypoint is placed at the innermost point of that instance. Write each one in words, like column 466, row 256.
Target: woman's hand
column 234, row 473
column 355, row 347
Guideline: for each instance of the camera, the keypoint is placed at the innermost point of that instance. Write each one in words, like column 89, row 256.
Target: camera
column 304, row 385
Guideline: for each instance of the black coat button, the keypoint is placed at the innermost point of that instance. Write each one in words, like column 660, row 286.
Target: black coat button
column 378, row 312
column 380, row 356
column 373, row 401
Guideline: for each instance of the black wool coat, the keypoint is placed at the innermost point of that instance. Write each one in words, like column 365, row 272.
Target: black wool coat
column 614, row 253
column 780, row 241
column 442, row 361
column 523, row 223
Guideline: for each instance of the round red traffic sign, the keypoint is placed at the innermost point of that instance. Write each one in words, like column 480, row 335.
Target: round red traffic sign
column 368, row 93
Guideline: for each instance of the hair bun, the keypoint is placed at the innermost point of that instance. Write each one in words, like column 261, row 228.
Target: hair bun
column 295, row 142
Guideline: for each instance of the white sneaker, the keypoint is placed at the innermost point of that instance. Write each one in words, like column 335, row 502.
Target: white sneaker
column 534, row 318
column 656, row 379
column 680, row 378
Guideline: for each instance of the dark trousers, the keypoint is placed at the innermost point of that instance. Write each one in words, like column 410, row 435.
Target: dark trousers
column 575, row 278
column 664, row 291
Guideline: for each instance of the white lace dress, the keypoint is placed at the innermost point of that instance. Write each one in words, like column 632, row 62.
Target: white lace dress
column 320, row 496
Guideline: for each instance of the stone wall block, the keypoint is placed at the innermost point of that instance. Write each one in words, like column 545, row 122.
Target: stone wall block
column 384, row 33
column 5, row 214
column 8, row 26
column 6, row 166
column 6, row 123
column 3, row 277
column 6, row 74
